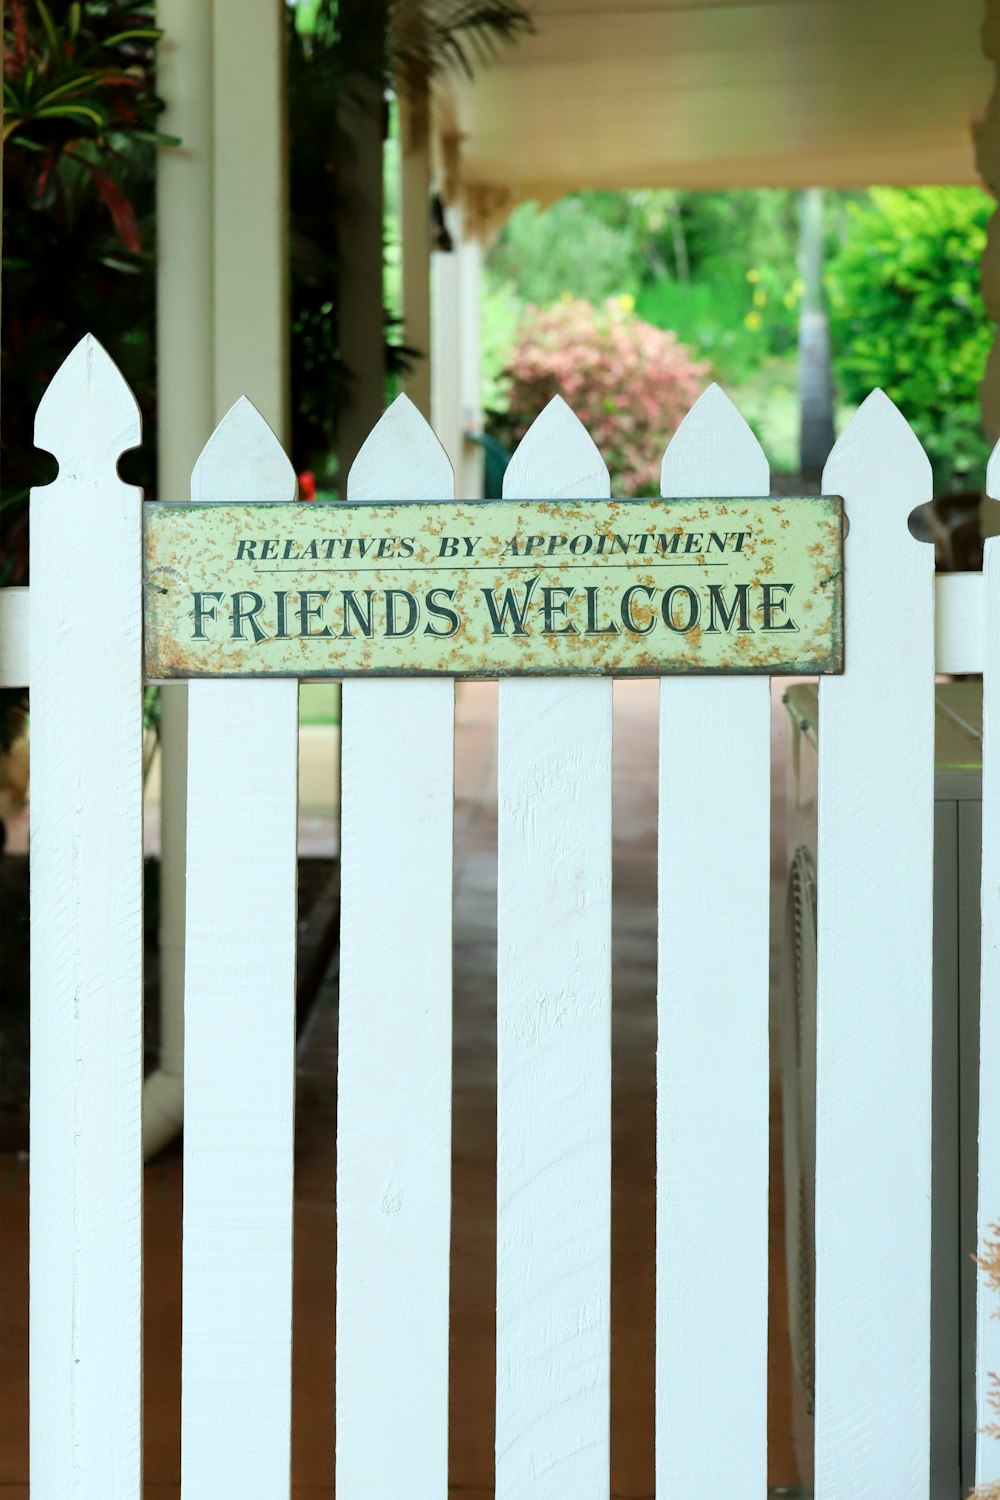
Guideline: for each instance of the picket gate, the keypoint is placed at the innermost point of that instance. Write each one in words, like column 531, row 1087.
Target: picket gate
column 75, row 638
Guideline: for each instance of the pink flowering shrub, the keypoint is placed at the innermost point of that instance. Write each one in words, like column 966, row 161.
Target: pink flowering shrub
column 628, row 382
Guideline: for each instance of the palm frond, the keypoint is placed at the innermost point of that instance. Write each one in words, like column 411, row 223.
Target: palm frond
column 443, row 36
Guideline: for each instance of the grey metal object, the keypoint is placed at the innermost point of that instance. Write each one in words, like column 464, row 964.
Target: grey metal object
column 957, row 855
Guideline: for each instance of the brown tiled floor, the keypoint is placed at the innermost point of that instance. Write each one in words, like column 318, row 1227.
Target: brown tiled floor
column 472, row 1344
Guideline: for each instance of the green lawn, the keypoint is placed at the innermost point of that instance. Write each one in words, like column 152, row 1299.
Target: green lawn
column 319, row 703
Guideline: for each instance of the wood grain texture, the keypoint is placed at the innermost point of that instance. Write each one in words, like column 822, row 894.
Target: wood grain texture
column 873, row 1126
column 239, row 1064
column 394, row 1070
column 987, row 1323
column 712, row 1042
column 86, row 950
column 554, row 1045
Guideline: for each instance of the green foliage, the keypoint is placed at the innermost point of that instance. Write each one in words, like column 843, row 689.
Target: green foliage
column 79, row 141
column 568, row 250
column 500, row 313
column 428, row 37
column 424, row 37
column 718, row 269
column 710, row 316
column 906, row 314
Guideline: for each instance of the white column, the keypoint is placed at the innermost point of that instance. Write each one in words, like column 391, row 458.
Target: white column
column 185, row 397
column 250, row 201
column 455, row 369
column 222, row 329
column 470, row 476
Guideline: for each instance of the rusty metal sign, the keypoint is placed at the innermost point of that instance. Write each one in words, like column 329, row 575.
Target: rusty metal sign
column 485, row 589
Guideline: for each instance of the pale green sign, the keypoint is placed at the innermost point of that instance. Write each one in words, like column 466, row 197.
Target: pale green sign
column 622, row 587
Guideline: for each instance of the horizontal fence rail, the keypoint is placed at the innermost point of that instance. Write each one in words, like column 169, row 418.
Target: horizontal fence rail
column 554, row 1007
column 959, row 625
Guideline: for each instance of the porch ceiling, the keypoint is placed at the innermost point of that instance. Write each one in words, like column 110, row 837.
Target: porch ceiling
column 727, row 93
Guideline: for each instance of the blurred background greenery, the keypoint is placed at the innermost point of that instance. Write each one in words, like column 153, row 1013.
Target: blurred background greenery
column 721, row 270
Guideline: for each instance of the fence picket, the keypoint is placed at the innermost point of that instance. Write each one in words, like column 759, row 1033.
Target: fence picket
column 987, row 1323
column 554, row 1044
column 394, row 1068
column 712, row 1044
column 873, row 1124
column 239, row 1066
column 86, row 951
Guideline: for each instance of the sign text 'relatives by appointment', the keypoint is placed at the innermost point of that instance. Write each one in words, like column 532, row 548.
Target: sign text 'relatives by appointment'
column 645, row 586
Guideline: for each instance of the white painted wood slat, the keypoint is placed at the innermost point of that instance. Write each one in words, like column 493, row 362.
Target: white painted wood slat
column 958, row 618
column 15, row 609
column 712, row 1042
column 987, row 1322
column 554, row 1044
column 873, row 1126
column 239, row 1065
column 394, row 1066
column 86, row 950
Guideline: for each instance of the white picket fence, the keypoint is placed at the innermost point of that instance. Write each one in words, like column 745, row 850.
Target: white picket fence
column 77, row 641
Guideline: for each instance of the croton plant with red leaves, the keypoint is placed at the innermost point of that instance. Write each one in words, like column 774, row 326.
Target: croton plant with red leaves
column 76, row 79
column 79, row 140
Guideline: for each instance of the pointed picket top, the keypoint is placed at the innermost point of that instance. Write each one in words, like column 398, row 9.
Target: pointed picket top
column 993, row 474
column 713, row 444
column 242, row 461
column 879, row 467
column 401, row 459
column 557, row 459
column 88, row 416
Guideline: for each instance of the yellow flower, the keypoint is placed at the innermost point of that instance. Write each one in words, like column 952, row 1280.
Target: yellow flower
column 626, row 302
column 754, row 321
column 753, row 276
column 760, row 297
